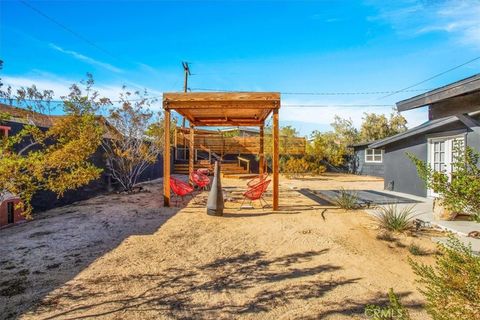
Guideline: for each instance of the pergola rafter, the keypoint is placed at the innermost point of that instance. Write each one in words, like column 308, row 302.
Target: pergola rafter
column 220, row 109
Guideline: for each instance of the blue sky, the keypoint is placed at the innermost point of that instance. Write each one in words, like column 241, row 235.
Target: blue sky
column 286, row 46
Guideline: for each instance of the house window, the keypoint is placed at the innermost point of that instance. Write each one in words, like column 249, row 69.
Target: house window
column 373, row 155
column 4, row 132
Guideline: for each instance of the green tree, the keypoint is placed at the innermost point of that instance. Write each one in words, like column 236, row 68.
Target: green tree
column 327, row 146
column 397, row 123
column 378, row 126
column 58, row 158
column 332, row 146
column 345, row 130
column 287, row 135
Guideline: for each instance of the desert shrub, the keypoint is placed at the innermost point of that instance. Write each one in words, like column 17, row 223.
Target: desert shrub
column 347, row 200
column 294, row 167
column 394, row 311
column 416, row 250
column 298, row 167
column 459, row 193
column 315, row 167
column 393, row 218
column 452, row 285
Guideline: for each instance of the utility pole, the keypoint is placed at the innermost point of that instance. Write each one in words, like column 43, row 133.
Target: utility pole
column 186, row 70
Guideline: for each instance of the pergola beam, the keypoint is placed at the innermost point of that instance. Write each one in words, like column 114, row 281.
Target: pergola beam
column 227, row 123
column 224, row 105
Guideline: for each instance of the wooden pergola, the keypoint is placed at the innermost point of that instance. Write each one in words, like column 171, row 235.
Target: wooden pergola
column 220, row 109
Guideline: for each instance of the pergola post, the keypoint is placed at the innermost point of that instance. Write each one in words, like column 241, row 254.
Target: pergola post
column 166, row 160
column 175, row 143
column 275, row 159
column 261, row 159
column 191, row 151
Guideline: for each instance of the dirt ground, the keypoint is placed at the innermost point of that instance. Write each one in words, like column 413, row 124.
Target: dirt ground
column 126, row 257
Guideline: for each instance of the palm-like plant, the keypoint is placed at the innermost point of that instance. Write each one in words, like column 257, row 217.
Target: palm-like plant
column 395, row 218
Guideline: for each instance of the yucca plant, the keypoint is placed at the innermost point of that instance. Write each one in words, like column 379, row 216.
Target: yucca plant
column 394, row 218
column 347, row 200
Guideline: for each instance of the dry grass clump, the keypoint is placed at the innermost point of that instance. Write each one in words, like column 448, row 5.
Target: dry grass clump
column 347, row 200
column 417, row 250
column 385, row 235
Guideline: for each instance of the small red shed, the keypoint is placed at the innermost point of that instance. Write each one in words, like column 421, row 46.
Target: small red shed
column 9, row 211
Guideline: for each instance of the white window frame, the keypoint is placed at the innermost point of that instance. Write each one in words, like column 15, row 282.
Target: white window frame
column 373, row 156
column 448, row 160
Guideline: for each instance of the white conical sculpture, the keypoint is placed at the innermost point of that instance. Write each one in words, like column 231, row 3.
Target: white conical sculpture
column 215, row 197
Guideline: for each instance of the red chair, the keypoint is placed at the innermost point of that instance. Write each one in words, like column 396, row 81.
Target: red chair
column 203, row 171
column 202, row 181
column 256, row 193
column 257, row 180
column 180, row 189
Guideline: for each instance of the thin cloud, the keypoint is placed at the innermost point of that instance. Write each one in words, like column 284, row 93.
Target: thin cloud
column 86, row 59
column 457, row 18
column 60, row 86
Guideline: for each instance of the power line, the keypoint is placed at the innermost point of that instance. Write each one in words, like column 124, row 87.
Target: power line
column 337, row 105
column 283, row 105
column 71, row 31
column 315, row 93
column 432, row 77
column 64, row 27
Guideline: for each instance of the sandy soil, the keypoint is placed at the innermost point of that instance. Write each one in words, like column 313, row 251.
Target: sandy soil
column 124, row 257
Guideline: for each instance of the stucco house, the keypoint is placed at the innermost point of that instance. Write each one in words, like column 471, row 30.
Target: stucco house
column 366, row 161
column 454, row 120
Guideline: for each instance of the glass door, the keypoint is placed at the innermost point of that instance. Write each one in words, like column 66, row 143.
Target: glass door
column 442, row 153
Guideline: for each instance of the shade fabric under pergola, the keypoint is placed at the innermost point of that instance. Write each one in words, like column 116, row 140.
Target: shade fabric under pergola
column 223, row 109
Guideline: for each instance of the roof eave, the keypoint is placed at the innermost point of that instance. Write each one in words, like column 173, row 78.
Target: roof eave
column 412, row 132
column 464, row 86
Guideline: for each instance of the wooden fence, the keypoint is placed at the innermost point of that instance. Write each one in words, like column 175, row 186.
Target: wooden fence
column 220, row 144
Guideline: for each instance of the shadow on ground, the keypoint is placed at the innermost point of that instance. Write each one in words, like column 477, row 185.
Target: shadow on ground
column 47, row 252
column 174, row 291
